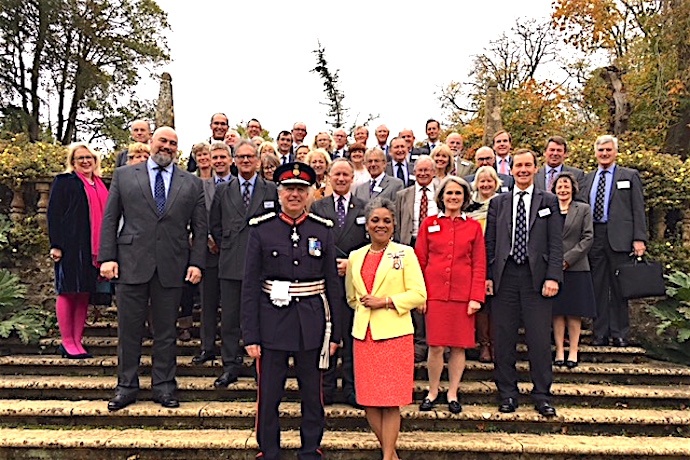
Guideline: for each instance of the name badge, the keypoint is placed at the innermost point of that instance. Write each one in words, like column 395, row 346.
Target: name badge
column 623, row 184
column 504, row 189
column 412, row 177
column 361, row 220
column 314, row 247
column 269, row 205
column 544, row 212
column 464, row 163
column 378, row 189
column 414, row 157
column 434, row 228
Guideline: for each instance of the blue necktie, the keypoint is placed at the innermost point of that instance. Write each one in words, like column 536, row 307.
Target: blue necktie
column 341, row 212
column 520, row 248
column 159, row 191
column 246, row 196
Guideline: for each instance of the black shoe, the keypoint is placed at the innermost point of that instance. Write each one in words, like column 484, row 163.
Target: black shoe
column 600, row 341
column 508, row 405
column 570, row 364
column 351, row 400
column 167, row 400
column 545, row 409
column 454, row 407
column 204, row 356
column 559, row 363
column 120, row 401
column 427, row 404
column 620, row 342
column 327, row 399
column 61, row 350
column 225, row 379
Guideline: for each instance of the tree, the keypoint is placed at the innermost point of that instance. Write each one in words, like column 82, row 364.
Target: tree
column 85, row 55
column 331, row 84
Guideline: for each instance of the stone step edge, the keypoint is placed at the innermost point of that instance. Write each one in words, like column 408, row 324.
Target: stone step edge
column 147, row 439
column 76, row 383
column 10, row 410
column 650, row 367
column 95, row 342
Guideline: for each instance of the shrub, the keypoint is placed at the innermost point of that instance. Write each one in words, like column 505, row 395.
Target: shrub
column 27, row 322
column 673, row 313
column 21, row 160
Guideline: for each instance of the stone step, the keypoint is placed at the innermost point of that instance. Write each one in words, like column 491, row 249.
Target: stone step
column 146, row 444
column 652, row 372
column 105, row 345
column 33, row 387
column 241, row 415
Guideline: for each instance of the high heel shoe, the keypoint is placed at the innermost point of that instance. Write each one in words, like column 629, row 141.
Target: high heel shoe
column 65, row 354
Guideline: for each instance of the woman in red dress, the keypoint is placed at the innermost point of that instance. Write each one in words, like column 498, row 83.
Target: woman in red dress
column 383, row 282
column 451, row 252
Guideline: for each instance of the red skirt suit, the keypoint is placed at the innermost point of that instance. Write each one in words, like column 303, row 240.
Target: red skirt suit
column 452, row 255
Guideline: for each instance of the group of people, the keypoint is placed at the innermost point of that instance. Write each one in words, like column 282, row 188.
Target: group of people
column 374, row 256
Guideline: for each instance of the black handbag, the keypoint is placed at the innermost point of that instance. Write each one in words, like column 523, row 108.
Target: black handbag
column 641, row 278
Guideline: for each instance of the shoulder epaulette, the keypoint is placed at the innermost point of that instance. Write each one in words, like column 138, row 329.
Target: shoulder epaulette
column 326, row 222
column 257, row 220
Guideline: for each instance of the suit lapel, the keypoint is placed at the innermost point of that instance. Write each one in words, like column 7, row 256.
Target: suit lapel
column 384, row 267
column 534, row 207
column 570, row 218
column 236, row 196
column 357, row 263
column 176, row 184
column 614, row 180
column 142, row 175
column 257, row 196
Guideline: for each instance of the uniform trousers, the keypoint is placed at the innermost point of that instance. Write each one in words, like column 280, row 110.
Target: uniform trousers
column 517, row 300
column 613, row 318
column 345, row 352
column 210, row 299
column 272, row 369
column 230, row 296
column 133, row 304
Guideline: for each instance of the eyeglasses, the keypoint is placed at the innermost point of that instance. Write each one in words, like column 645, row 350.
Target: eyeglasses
column 299, row 129
column 245, row 157
column 81, row 159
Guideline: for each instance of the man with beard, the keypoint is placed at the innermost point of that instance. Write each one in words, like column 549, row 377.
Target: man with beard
column 150, row 259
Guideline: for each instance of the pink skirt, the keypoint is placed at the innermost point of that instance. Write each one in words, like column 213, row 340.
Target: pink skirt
column 384, row 371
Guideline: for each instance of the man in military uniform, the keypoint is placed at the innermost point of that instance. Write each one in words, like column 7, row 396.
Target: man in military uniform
column 291, row 298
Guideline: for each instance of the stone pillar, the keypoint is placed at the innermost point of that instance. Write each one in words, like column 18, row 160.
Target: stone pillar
column 165, row 115
column 492, row 114
column 43, row 189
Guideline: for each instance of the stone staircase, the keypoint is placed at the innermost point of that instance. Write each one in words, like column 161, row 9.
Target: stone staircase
column 618, row 404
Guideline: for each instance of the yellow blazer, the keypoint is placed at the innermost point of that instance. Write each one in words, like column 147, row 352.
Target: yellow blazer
column 405, row 287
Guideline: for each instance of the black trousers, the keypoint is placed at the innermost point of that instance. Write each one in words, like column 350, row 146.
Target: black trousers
column 133, row 302
column 272, row 368
column 345, row 354
column 517, row 300
column 210, row 300
column 230, row 296
column 613, row 318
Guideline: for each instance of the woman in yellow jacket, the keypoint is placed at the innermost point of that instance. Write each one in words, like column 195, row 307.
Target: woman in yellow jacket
column 384, row 282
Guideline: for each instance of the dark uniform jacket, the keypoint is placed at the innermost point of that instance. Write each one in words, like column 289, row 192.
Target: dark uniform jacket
column 273, row 255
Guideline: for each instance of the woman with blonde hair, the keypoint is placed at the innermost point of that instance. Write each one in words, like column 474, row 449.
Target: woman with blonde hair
column 443, row 163
column 138, row 152
column 75, row 212
column 486, row 185
column 201, row 152
column 325, row 141
column 320, row 161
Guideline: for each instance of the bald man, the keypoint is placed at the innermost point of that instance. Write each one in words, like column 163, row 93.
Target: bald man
column 139, row 131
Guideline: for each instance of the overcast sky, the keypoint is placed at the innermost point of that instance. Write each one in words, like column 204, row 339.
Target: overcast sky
column 251, row 59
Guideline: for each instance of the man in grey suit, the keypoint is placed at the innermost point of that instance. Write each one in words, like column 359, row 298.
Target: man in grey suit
column 461, row 166
column 620, row 227
column 524, row 247
column 349, row 232
column 234, row 204
column 555, row 154
column 412, row 206
column 380, row 184
column 210, row 285
column 151, row 259
column 399, row 165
